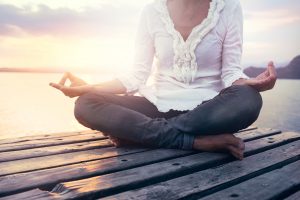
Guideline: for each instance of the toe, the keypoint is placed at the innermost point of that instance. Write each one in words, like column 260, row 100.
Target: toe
column 237, row 153
column 241, row 144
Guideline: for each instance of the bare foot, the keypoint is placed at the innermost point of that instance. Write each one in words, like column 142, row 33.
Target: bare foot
column 117, row 142
column 222, row 142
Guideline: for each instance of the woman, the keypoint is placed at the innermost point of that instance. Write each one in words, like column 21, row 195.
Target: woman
column 199, row 95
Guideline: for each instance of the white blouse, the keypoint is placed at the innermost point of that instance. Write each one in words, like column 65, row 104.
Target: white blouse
column 185, row 73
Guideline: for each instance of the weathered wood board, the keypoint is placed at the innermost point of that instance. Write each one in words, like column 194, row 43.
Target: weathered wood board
column 85, row 165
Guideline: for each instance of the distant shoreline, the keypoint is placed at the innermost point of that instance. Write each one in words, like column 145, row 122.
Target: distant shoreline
column 89, row 72
column 290, row 71
column 50, row 71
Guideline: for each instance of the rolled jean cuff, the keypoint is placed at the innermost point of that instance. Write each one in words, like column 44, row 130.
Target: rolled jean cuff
column 188, row 141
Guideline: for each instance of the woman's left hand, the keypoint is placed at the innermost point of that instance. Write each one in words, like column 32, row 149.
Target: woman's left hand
column 264, row 81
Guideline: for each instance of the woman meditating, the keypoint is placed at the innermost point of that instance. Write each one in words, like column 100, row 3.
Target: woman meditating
column 199, row 95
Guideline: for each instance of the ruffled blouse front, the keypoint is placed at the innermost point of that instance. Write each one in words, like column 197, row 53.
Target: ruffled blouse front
column 185, row 65
column 185, row 73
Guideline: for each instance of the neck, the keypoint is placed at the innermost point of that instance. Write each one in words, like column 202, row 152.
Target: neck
column 186, row 4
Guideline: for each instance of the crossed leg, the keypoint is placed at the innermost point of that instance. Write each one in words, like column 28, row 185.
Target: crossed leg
column 138, row 120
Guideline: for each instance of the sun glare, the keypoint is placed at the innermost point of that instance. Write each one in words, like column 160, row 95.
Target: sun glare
column 99, row 34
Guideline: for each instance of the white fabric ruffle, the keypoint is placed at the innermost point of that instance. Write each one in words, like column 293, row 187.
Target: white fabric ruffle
column 185, row 65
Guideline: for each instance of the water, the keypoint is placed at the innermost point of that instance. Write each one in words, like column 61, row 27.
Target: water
column 29, row 106
column 281, row 106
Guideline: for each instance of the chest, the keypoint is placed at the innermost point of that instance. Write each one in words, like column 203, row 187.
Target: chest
column 184, row 41
column 186, row 19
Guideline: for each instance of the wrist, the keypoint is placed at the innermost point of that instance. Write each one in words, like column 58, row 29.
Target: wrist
column 87, row 88
column 240, row 81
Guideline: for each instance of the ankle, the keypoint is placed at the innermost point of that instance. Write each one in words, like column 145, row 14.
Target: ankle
column 202, row 143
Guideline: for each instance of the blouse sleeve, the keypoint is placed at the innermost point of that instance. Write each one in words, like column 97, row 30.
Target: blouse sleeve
column 232, row 47
column 143, row 58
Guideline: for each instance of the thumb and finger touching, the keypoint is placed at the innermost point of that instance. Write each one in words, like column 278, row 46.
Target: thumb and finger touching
column 57, row 86
column 67, row 76
column 75, row 81
column 266, row 80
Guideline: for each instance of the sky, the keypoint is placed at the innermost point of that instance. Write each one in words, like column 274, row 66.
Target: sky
column 99, row 34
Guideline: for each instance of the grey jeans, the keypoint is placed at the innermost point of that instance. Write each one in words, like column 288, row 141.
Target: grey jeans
column 136, row 119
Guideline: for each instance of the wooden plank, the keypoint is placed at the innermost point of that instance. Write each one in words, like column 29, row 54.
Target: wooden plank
column 295, row 196
column 35, row 194
column 66, row 148
column 66, row 134
column 248, row 128
column 47, row 136
column 71, row 172
column 52, row 150
column 24, row 166
column 279, row 139
column 48, row 178
column 128, row 179
column 29, row 144
column 46, row 162
column 253, row 134
column 199, row 183
column 272, row 185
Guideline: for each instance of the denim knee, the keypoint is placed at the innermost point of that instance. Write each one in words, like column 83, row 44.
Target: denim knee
column 250, row 103
column 83, row 106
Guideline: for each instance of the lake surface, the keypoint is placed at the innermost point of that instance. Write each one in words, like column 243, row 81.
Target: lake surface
column 29, row 106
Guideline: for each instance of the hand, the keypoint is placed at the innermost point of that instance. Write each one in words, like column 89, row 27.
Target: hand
column 264, row 81
column 77, row 87
column 75, row 81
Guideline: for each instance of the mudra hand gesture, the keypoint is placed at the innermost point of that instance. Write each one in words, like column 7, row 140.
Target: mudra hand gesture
column 76, row 88
column 264, row 81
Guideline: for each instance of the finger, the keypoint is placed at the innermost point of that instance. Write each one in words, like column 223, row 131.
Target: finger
column 257, row 81
column 57, row 86
column 64, row 78
column 71, row 91
column 271, row 63
column 263, row 74
column 268, row 83
column 266, row 72
column 72, row 77
column 272, row 70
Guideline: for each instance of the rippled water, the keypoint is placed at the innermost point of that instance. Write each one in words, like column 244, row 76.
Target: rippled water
column 29, row 106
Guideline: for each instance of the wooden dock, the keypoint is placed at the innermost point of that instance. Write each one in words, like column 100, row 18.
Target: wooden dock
column 85, row 165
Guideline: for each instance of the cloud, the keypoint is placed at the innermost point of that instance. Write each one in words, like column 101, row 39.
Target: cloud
column 277, row 15
column 259, row 5
column 43, row 20
column 91, row 33
column 271, row 29
column 262, row 24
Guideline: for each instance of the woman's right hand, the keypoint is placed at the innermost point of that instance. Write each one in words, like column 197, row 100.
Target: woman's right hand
column 75, row 81
column 77, row 87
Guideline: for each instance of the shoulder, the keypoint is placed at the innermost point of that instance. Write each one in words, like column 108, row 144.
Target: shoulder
column 231, row 6
column 150, row 13
column 232, row 12
column 149, row 9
